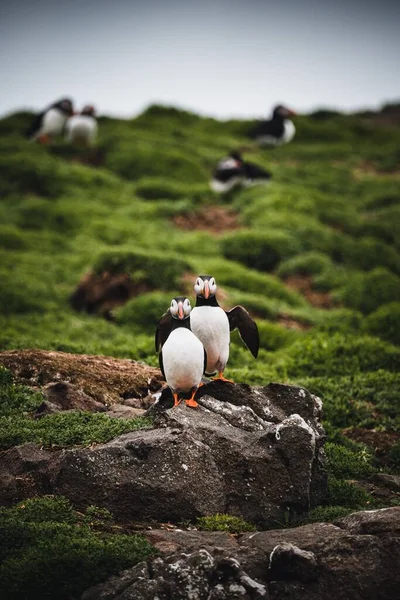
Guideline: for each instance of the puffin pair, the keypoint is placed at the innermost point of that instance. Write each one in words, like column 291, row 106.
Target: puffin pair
column 51, row 122
column 81, row 129
column 277, row 131
column 232, row 171
column 195, row 342
column 59, row 119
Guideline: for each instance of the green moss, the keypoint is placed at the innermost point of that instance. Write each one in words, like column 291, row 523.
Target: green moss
column 48, row 551
column 274, row 336
column 154, row 268
column 385, row 322
column 346, row 494
column 320, row 354
column 65, row 429
column 227, row 523
column 146, row 310
column 261, row 251
column 308, row 263
column 326, row 514
column 344, row 463
column 367, row 292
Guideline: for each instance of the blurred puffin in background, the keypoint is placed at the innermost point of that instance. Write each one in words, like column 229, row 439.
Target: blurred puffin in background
column 233, row 171
column 51, row 122
column 81, row 129
column 277, row 131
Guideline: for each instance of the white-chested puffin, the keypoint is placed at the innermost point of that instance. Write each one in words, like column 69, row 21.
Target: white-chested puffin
column 81, row 129
column 234, row 171
column 228, row 174
column 51, row 122
column 277, row 131
column 182, row 356
column 212, row 325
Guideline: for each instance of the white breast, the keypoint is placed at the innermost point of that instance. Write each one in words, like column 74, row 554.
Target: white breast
column 222, row 187
column 211, row 325
column 81, row 129
column 288, row 131
column 53, row 122
column 183, row 359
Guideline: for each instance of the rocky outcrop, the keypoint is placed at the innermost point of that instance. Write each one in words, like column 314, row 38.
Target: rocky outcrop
column 357, row 558
column 252, row 452
column 80, row 381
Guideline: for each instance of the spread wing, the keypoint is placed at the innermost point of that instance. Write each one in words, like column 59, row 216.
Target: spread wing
column 239, row 318
column 163, row 330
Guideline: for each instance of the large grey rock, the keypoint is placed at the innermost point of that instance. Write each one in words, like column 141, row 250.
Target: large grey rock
column 252, row 452
column 319, row 561
column 196, row 576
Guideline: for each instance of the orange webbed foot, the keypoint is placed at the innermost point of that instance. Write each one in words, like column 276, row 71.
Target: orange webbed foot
column 176, row 400
column 192, row 403
column 220, row 377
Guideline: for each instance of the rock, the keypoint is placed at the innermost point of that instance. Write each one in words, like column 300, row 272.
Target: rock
column 319, row 561
column 80, row 379
column 121, row 411
column 223, row 457
column 392, row 482
column 26, row 471
column 373, row 522
column 288, row 562
column 195, row 576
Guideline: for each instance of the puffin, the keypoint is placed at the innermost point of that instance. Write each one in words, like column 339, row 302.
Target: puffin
column 228, row 174
column 182, row 356
column 51, row 122
column 277, row 131
column 212, row 325
column 233, row 171
column 81, row 129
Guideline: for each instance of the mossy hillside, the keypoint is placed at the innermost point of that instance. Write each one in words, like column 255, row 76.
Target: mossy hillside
column 330, row 215
column 49, row 550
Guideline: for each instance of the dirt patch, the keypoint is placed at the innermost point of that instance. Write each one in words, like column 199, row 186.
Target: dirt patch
column 304, row 285
column 216, row 219
column 291, row 323
column 102, row 293
column 105, row 379
column 381, row 441
column 368, row 169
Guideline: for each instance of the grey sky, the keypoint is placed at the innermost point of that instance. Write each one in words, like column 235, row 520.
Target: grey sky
column 218, row 57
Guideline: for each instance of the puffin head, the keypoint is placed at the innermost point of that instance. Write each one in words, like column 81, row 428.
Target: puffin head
column 236, row 155
column 283, row 112
column 205, row 286
column 66, row 105
column 180, row 308
column 88, row 110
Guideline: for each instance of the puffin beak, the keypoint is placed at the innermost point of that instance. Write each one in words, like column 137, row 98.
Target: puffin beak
column 206, row 290
column 180, row 311
column 292, row 113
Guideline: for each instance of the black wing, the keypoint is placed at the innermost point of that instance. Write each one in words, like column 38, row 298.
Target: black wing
column 239, row 318
column 163, row 330
column 160, row 362
column 253, row 171
column 205, row 361
column 274, row 128
column 35, row 125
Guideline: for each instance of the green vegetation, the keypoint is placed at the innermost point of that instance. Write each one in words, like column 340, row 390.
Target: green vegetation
column 316, row 260
column 62, row 429
column 224, row 523
column 49, row 550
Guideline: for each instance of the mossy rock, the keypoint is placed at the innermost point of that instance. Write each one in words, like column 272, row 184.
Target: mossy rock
column 158, row 269
column 385, row 322
column 262, row 251
column 145, row 311
column 367, row 292
column 226, row 523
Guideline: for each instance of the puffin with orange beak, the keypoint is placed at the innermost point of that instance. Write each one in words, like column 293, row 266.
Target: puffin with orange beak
column 81, row 129
column 277, row 131
column 212, row 325
column 51, row 122
column 182, row 356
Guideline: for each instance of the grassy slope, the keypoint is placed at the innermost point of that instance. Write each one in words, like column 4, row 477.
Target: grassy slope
column 332, row 212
